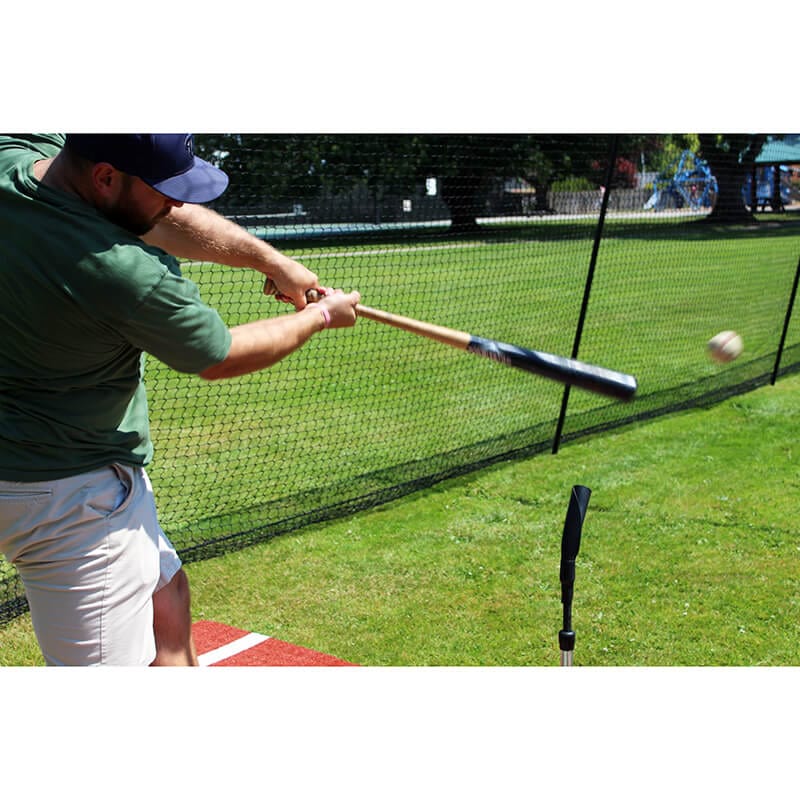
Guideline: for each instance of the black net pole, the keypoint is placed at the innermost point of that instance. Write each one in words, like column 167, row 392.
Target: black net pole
column 786, row 321
column 598, row 236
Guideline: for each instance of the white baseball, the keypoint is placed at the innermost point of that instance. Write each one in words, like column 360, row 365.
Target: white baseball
column 725, row 346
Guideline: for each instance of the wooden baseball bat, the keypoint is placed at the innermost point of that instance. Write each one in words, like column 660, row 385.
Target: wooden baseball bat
column 558, row 368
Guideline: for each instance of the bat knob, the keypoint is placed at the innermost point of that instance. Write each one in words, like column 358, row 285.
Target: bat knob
column 313, row 296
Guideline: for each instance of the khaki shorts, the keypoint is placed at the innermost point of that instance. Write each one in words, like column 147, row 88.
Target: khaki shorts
column 91, row 554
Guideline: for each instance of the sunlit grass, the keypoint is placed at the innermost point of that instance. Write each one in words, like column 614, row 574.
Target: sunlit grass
column 688, row 557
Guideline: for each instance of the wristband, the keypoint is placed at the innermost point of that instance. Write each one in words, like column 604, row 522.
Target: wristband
column 325, row 315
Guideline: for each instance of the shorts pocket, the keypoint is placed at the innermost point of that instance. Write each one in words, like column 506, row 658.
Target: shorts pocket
column 20, row 509
column 24, row 496
column 18, row 504
column 110, row 492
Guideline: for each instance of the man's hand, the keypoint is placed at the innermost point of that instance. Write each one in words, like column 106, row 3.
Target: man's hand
column 289, row 281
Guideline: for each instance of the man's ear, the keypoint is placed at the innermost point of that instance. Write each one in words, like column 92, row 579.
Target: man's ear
column 106, row 181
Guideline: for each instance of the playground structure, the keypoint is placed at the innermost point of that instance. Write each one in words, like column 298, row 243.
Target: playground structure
column 765, row 188
column 691, row 185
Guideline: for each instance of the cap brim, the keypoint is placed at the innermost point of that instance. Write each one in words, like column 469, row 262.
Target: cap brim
column 201, row 184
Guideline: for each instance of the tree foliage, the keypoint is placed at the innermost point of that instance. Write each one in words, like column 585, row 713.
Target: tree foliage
column 287, row 168
column 293, row 167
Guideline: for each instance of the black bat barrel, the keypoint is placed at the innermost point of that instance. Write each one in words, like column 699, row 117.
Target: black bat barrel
column 565, row 370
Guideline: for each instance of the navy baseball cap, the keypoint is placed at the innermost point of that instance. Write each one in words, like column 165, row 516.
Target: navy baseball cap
column 165, row 161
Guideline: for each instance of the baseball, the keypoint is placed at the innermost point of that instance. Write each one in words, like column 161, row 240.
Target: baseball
column 725, row 346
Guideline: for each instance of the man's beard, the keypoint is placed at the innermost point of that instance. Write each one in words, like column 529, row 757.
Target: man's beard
column 130, row 222
column 128, row 217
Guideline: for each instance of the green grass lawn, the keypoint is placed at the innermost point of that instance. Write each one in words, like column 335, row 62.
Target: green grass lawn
column 689, row 556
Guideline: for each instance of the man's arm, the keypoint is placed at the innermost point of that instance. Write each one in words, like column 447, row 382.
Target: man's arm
column 260, row 344
column 200, row 234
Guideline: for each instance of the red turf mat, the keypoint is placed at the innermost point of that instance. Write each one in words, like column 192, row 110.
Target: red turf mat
column 221, row 645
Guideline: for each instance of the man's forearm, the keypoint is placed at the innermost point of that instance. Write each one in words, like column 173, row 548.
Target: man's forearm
column 260, row 344
column 199, row 234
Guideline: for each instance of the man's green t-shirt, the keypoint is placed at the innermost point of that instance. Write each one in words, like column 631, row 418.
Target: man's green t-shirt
column 81, row 301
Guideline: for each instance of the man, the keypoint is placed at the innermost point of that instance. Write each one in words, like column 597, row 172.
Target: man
column 86, row 289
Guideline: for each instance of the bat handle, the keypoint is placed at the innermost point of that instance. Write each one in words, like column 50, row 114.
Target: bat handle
column 314, row 296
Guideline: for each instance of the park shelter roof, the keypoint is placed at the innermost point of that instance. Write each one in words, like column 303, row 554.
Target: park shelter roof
column 785, row 150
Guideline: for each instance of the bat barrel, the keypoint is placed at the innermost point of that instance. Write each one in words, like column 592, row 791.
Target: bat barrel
column 565, row 370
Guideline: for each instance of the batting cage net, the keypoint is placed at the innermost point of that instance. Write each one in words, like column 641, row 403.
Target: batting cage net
column 627, row 251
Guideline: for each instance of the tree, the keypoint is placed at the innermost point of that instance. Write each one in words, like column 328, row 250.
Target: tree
column 466, row 166
column 730, row 157
column 660, row 152
column 556, row 157
column 283, row 168
column 290, row 167
column 553, row 157
column 262, row 167
column 294, row 167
